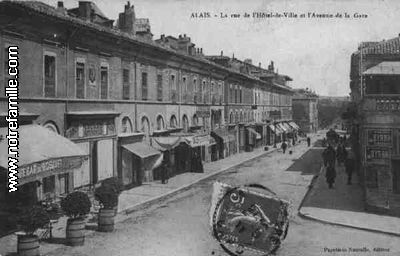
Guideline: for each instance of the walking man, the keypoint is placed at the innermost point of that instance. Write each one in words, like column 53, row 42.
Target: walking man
column 164, row 172
column 330, row 175
column 308, row 141
column 284, row 147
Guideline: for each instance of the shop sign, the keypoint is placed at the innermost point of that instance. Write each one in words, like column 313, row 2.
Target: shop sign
column 203, row 112
column 373, row 154
column 200, row 140
column 90, row 129
column 388, row 104
column 379, row 137
column 275, row 113
column 49, row 166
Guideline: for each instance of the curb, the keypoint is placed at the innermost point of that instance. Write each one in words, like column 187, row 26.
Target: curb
column 310, row 186
column 150, row 201
column 308, row 217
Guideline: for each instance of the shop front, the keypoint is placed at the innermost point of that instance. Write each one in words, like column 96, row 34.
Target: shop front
column 275, row 134
column 261, row 128
column 175, row 151
column 225, row 142
column 95, row 133
column 46, row 166
column 252, row 138
column 136, row 160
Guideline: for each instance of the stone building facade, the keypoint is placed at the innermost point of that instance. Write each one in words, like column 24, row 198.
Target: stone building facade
column 126, row 99
column 305, row 110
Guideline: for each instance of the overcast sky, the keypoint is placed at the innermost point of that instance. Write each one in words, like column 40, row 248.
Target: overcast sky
column 315, row 52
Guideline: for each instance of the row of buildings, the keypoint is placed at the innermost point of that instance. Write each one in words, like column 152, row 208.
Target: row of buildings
column 375, row 116
column 127, row 101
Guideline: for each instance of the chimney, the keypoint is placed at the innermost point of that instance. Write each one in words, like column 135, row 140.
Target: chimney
column 180, row 36
column 126, row 19
column 233, row 56
column 201, row 50
column 271, row 66
column 60, row 7
column 85, row 10
column 222, row 53
column 259, row 64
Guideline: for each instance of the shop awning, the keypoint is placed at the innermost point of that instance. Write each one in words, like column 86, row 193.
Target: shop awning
column 288, row 127
column 141, row 149
column 251, row 130
column 294, row 125
column 223, row 134
column 41, row 153
column 384, row 68
column 283, row 128
column 278, row 130
column 166, row 142
column 198, row 140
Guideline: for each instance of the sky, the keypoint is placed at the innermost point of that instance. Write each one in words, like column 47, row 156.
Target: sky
column 314, row 52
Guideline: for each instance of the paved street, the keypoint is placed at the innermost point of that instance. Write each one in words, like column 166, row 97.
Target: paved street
column 179, row 225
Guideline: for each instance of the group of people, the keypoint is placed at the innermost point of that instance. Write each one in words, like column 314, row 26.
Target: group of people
column 284, row 144
column 342, row 156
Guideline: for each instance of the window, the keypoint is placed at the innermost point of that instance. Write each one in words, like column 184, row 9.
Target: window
column 195, row 120
column 144, row 86
column 52, row 127
column 185, row 123
column 104, row 82
column 240, row 95
column 160, row 123
column 195, row 91
column 49, row 76
column 80, row 80
column 173, row 88
column 173, row 122
column 159, row 88
column 125, row 84
column 184, row 89
column 145, row 126
column 204, row 91
column 172, row 82
column 126, row 125
column 48, row 184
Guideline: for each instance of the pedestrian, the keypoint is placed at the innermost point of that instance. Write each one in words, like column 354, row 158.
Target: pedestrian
column 164, row 172
column 330, row 175
column 308, row 141
column 329, row 156
column 349, row 165
column 284, row 146
column 197, row 164
column 293, row 141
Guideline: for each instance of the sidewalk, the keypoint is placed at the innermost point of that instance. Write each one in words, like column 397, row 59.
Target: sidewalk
column 344, row 206
column 140, row 197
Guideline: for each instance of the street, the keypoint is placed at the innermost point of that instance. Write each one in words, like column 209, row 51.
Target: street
column 179, row 225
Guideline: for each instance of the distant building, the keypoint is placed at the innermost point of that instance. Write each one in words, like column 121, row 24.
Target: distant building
column 305, row 110
column 375, row 91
